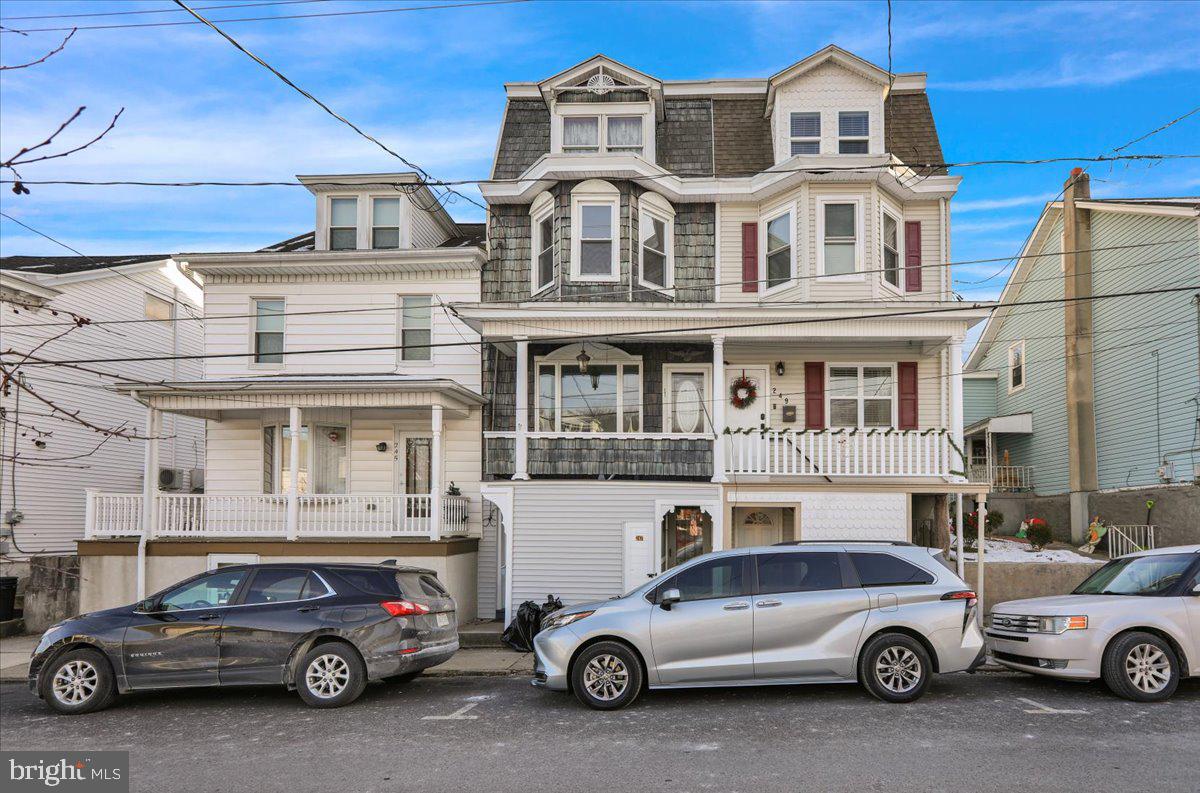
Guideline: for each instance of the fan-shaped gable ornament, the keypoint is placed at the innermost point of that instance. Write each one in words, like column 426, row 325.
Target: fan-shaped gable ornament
column 601, row 84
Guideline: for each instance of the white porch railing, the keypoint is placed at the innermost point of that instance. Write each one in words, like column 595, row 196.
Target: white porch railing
column 210, row 515
column 1012, row 478
column 1129, row 539
column 838, row 454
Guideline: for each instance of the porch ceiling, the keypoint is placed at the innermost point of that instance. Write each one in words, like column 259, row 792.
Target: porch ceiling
column 211, row 398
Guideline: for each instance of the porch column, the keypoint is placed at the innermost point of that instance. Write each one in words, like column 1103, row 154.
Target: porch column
column 958, row 534
column 435, row 475
column 521, row 444
column 149, row 493
column 979, row 554
column 718, row 409
column 956, row 404
column 293, row 499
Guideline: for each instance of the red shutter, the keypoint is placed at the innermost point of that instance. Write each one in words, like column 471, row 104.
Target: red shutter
column 814, row 395
column 912, row 256
column 906, row 374
column 749, row 257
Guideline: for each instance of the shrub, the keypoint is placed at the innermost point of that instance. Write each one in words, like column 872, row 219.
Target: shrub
column 995, row 519
column 1039, row 533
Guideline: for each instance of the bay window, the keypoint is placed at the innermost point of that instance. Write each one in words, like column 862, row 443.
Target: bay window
column 343, row 224
column 656, row 223
column 541, row 265
column 323, row 459
column 594, row 213
column 839, row 233
column 778, row 250
column 891, row 250
column 861, row 395
column 685, row 398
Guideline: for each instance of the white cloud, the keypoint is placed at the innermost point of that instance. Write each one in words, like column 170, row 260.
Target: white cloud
column 974, row 226
column 1087, row 69
column 988, row 204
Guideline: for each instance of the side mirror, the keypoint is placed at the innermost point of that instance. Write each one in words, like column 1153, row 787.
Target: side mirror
column 147, row 606
column 669, row 598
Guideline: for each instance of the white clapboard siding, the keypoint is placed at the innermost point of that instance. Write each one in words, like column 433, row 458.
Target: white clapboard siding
column 51, row 495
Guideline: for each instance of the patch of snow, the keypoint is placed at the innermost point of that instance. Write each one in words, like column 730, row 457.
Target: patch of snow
column 1015, row 551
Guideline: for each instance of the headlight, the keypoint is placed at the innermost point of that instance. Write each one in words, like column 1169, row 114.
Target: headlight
column 1061, row 624
column 558, row 621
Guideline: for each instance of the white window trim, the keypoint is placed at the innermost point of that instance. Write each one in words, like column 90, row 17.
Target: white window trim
column 830, row 365
column 885, row 209
column 841, row 137
column 767, row 217
column 402, row 229
column 859, row 236
column 358, row 218
column 586, row 194
column 310, row 458
column 603, row 110
column 657, row 208
column 215, row 560
column 152, row 299
column 1024, row 367
column 565, row 356
column 401, row 361
column 541, row 208
column 791, row 139
column 668, row 405
column 253, row 313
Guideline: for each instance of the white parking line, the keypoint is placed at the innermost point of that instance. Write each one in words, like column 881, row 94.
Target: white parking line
column 458, row 715
column 1040, row 708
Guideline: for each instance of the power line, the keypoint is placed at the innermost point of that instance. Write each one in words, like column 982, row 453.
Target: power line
column 160, row 10
column 279, row 16
column 626, row 334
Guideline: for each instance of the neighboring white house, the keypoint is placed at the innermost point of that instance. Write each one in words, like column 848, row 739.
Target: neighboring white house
column 49, row 461
column 387, row 463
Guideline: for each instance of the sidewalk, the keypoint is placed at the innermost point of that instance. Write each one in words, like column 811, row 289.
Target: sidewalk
column 15, row 652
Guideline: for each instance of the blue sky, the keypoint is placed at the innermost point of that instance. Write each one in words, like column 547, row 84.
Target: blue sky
column 1006, row 80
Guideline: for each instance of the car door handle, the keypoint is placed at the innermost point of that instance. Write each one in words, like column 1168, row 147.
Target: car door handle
column 209, row 617
column 307, row 608
column 738, row 606
column 766, row 604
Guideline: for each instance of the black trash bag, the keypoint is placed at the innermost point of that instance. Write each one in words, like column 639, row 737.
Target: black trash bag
column 528, row 622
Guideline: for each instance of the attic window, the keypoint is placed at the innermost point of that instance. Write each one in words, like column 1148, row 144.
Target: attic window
column 385, row 223
column 581, row 133
column 624, row 134
column 853, row 131
column 806, row 133
column 343, row 224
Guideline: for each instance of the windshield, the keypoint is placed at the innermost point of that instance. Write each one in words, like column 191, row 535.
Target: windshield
column 1137, row 575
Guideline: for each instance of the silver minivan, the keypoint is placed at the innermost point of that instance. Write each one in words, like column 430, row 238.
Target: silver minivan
column 888, row 615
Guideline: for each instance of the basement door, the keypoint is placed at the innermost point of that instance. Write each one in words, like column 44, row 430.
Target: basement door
column 639, row 554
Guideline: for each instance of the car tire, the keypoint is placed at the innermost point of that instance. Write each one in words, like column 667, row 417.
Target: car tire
column 1141, row 667
column 330, row 675
column 607, row 676
column 895, row 667
column 78, row 681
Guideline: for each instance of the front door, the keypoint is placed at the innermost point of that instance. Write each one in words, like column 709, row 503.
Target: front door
column 280, row 606
column 756, row 415
column 708, row 635
column 177, row 642
column 639, row 554
column 807, row 622
column 412, row 473
column 757, row 526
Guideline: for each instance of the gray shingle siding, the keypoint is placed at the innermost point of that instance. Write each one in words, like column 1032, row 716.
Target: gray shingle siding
column 695, row 252
column 525, row 137
column 645, row 458
column 741, row 135
column 909, row 130
column 506, row 276
column 684, row 138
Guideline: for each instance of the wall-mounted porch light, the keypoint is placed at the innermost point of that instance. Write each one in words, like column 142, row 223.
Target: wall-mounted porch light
column 779, row 368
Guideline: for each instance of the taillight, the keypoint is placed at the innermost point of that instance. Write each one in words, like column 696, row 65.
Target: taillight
column 403, row 608
column 963, row 594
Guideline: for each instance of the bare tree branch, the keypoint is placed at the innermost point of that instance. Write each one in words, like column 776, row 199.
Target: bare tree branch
column 45, row 57
column 16, row 159
column 81, row 455
column 8, row 381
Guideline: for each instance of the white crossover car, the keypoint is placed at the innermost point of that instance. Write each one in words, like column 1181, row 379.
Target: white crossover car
column 1135, row 623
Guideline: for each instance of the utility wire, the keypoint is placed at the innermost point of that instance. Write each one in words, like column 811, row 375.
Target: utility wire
column 160, row 10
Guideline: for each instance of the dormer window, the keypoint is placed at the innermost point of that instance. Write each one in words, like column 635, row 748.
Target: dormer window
column 854, row 130
column 343, row 224
column 581, row 133
column 806, row 133
column 624, row 134
column 385, row 223
column 620, row 132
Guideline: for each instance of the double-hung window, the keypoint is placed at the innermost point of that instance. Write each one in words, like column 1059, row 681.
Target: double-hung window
column 854, row 132
column 891, row 250
column 385, row 223
column 685, row 401
column 268, row 330
column 416, row 327
column 656, row 223
column 343, row 224
column 543, row 249
column 1016, row 366
column 581, row 133
column 623, row 134
column 597, row 248
column 605, row 398
column 839, row 238
column 322, row 465
column 861, row 396
column 778, row 250
column 805, row 133
column 611, row 134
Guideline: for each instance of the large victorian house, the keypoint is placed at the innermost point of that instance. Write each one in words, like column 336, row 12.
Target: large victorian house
column 716, row 313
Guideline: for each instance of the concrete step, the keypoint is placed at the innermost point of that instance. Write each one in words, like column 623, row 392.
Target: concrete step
column 481, row 634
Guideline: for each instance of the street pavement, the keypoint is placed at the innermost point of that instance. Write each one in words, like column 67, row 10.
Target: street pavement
column 985, row 732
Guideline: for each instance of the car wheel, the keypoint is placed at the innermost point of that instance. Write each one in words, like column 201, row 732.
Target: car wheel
column 78, row 681
column 1141, row 667
column 330, row 675
column 607, row 676
column 895, row 667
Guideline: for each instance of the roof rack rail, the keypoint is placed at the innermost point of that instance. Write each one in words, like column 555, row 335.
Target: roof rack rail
column 848, row 542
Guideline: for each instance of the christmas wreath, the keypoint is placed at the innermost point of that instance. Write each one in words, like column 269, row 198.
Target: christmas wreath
column 742, row 392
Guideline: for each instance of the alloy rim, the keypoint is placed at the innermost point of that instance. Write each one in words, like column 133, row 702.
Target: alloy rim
column 75, row 682
column 327, row 676
column 1148, row 668
column 898, row 669
column 606, row 677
